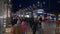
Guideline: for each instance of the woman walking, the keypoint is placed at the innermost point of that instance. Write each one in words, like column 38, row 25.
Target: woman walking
column 24, row 26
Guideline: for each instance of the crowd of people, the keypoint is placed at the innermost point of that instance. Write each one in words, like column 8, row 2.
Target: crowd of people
column 19, row 25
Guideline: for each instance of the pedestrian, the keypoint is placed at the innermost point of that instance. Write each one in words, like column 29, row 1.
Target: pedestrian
column 19, row 20
column 34, row 26
column 40, row 30
column 14, row 20
column 24, row 26
column 47, row 29
column 31, row 22
column 16, row 28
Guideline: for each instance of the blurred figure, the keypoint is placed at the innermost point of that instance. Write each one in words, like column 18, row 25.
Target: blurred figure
column 31, row 22
column 47, row 25
column 24, row 26
column 40, row 26
column 14, row 21
column 34, row 27
column 16, row 29
column 19, row 20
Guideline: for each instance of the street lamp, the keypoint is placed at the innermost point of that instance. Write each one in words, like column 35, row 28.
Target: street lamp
column 38, row 3
column 34, row 6
column 20, row 5
column 44, row 2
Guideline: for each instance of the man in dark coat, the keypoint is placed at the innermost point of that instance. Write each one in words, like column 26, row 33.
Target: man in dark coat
column 14, row 20
column 34, row 27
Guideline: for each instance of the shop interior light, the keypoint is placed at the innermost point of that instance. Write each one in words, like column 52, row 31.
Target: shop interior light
column 35, row 16
column 21, row 15
column 54, row 18
column 40, row 11
column 27, row 16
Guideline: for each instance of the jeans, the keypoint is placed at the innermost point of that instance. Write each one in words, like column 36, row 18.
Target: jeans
column 40, row 30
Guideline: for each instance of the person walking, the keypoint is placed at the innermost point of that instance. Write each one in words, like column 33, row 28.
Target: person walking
column 14, row 20
column 34, row 26
column 47, row 22
column 17, row 28
column 40, row 30
column 24, row 26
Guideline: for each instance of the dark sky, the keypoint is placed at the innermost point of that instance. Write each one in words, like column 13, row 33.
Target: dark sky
column 49, row 4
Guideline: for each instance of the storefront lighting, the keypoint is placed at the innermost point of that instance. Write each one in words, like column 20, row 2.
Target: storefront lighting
column 21, row 15
column 40, row 11
column 27, row 16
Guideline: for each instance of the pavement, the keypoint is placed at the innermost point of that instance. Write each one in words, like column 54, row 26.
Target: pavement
column 51, row 29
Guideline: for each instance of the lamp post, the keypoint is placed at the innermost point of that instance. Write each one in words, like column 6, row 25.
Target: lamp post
column 38, row 3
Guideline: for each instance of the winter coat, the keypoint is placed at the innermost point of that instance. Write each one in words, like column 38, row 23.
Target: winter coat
column 24, row 26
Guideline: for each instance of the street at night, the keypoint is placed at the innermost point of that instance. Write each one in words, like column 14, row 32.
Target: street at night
column 29, row 16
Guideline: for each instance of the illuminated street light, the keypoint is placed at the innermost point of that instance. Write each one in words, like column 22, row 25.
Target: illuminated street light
column 38, row 3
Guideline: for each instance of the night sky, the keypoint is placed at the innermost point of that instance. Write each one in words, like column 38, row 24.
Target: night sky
column 50, row 5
